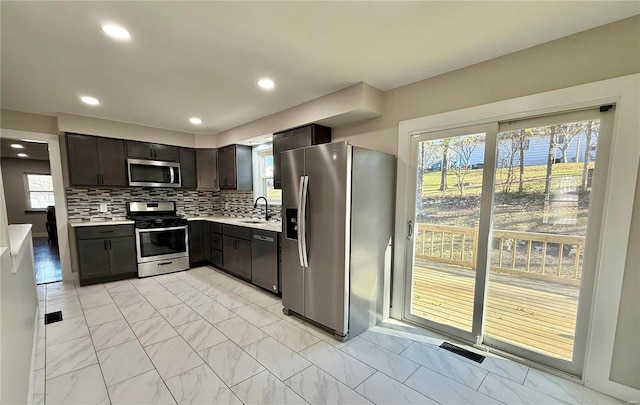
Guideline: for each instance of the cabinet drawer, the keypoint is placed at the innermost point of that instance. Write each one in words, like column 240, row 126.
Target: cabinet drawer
column 237, row 231
column 216, row 257
column 104, row 231
column 216, row 241
column 215, row 227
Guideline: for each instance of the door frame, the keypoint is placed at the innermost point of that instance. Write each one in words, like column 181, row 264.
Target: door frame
column 480, row 286
column 618, row 201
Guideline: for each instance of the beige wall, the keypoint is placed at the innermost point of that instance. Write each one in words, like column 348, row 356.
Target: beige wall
column 625, row 367
column 612, row 50
column 21, row 121
column 15, row 195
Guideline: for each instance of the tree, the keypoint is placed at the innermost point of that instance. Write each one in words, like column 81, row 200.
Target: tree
column 591, row 135
column 463, row 147
column 551, row 158
column 569, row 131
column 523, row 141
column 444, row 166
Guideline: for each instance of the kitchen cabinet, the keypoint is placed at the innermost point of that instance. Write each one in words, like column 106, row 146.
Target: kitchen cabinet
column 106, row 253
column 95, row 161
column 264, row 260
column 196, row 241
column 301, row 137
column 235, row 168
column 207, row 163
column 187, row 159
column 216, row 253
column 147, row 150
column 236, row 251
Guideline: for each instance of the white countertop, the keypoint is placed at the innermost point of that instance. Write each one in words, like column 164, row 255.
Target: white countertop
column 272, row 226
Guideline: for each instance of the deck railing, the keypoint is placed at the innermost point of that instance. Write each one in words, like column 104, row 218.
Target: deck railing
column 539, row 256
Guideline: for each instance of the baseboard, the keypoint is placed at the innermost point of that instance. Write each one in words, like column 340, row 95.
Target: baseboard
column 40, row 235
column 34, row 354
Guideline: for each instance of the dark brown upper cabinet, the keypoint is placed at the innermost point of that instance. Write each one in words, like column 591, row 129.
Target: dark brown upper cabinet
column 234, row 168
column 187, row 159
column 96, row 161
column 301, row 137
column 156, row 151
column 207, row 163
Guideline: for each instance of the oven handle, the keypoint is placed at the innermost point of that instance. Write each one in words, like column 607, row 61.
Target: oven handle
column 173, row 228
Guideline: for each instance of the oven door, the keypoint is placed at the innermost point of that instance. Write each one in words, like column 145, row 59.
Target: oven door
column 162, row 243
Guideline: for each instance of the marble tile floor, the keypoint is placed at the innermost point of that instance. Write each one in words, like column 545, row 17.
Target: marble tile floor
column 203, row 337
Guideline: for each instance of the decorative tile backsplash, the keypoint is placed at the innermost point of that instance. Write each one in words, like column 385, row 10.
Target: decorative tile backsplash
column 239, row 204
column 83, row 204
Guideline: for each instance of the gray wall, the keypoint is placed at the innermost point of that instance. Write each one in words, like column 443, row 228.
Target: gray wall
column 13, row 177
column 625, row 367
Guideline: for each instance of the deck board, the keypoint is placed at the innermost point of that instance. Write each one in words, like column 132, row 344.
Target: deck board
column 537, row 315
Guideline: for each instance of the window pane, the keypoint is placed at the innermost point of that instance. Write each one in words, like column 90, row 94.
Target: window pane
column 41, row 199
column 40, row 182
column 268, row 166
column 272, row 194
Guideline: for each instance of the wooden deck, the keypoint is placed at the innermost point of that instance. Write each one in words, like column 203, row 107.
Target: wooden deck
column 534, row 314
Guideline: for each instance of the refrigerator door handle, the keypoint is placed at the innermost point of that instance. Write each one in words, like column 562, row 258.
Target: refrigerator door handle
column 299, row 220
column 305, row 189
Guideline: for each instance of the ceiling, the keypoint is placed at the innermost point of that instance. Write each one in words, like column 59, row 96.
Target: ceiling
column 33, row 150
column 203, row 59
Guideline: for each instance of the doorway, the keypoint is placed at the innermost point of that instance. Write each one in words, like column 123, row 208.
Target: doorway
column 503, row 230
column 34, row 194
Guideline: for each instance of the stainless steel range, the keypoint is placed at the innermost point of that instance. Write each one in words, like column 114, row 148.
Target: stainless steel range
column 162, row 237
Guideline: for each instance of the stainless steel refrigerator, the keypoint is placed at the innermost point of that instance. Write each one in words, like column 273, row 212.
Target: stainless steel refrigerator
column 337, row 210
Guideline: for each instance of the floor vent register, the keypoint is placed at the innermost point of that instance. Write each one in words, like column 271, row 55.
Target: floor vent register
column 478, row 358
column 52, row 317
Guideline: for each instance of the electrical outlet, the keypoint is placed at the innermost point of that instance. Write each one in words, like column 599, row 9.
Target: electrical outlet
column 226, row 206
column 103, row 207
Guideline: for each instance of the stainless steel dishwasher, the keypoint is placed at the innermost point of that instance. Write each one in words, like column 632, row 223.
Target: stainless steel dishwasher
column 264, row 266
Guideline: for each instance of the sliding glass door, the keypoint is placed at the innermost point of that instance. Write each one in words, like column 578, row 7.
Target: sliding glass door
column 504, row 227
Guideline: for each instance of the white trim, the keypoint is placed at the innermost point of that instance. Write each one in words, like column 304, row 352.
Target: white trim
column 619, row 197
column 55, row 164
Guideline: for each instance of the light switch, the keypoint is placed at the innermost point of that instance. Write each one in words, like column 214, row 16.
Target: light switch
column 103, row 207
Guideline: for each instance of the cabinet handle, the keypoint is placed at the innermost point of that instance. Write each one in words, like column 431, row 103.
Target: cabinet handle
column 106, row 231
column 109, row 244
column 164, row 263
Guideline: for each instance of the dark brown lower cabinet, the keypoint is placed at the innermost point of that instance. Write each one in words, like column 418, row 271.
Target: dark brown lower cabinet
column 196, row 241
column 106, row 253
column 236, row 247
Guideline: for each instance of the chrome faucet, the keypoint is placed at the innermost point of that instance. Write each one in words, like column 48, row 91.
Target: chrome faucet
column 266, row 208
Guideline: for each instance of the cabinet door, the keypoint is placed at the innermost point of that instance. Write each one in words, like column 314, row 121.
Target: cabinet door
column 140, row 150
column 84, row 166
column 227, row 167
column 243, row 168
column 112, row 162
column 280, row 144
column 93, row 258
column 122, row 255
column 206, row 242
column 222, row 168
column 207, row 160
column 300, row 137
column 187, row 158
column 165, row 152
column 195, row 241
column 229, row 254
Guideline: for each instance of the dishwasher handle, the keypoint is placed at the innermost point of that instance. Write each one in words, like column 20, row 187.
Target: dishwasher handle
column 263, row 238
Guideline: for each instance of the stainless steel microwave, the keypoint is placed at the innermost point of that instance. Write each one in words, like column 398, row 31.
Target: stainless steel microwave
column 153, row 173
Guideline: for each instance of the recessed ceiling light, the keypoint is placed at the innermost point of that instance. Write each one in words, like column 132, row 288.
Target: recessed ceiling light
column 195, row 120
column 17, row 146
column 23, row 155
column 116, row 32
column 266, row 84
column 90, row 100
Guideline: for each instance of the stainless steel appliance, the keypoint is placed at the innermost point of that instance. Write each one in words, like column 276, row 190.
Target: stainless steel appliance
column 162, row 237
column 153, row 173
column 337, row 207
